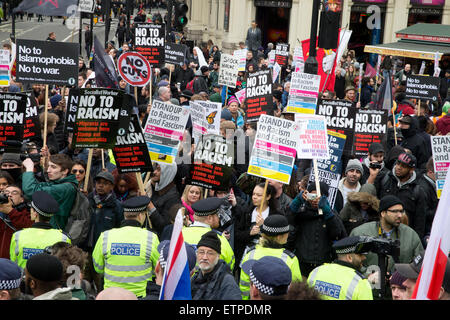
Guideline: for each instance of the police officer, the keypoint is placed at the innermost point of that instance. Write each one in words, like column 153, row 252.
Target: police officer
column 30, row 241
column 206, row 217
column 127, row 255
column 274, row 234
column 342, row 280
column 270, row 278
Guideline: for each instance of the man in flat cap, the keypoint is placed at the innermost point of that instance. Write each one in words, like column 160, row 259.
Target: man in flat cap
column 213, row 280
column 127, row 255
column 342, row 280
column 10, row 276
column 274, row 235
column 270, row 278
column 206, row 217
column 43, row 275
column 30, row 241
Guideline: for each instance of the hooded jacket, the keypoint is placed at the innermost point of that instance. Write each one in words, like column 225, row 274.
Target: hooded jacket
column 414, row 142
column 57, row 294
column 352, row 216
column 366, row 171
column 443, row 125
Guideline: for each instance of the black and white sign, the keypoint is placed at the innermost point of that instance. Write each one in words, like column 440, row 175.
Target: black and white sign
column 421, row 87
column 149, row 41
column 228, row 71
column 86, row 6
column 282, row 54
column 259, row 98
column 134, row 69
column 12, row 120
column 47, row 62
column 175, row 53
column 370, row 126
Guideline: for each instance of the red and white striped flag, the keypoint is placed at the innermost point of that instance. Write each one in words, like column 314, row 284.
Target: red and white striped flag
column 432, row 273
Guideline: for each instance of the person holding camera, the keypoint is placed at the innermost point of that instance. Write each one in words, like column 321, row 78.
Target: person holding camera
column 14, row 216
column 374, row 160
column 389, row 227
column 342, row 279
column 314, row 231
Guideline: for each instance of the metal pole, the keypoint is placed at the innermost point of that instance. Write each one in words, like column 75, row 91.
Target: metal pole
column 107, row 20
column 91, row 31
column 311, row 64
column 169, row 18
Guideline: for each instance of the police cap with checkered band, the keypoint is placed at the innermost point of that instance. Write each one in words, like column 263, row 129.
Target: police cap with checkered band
column 270, row 275
column 44, row 204
column 354, row 244
column 208, row 206
column 275, row 224
column 136, row 204
column 10, row 275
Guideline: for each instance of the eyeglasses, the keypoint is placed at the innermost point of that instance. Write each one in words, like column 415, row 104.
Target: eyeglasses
column 209, row 254
column 397, row 211
column 14, row 193
column 74, row 171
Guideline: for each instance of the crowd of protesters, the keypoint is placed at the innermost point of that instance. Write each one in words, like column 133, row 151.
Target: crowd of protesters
column 394, row 200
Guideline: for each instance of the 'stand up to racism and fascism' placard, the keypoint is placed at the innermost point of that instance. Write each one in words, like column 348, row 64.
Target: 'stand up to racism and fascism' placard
column 303, row 93
column 330, row 170
column 131, row 153
column 440, row 146
column 213, row 161
column 274, row 149
column 12, row 119
column 100, row 114
column 259, row 95
column 164, row 130
column 149, row 41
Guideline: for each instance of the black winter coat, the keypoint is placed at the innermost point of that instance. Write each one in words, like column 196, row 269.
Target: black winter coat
column 414, row 142
column 183, row 77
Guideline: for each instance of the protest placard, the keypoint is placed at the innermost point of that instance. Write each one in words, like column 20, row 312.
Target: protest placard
column 149, row 41
column 100, row 114
column 271, row 57
column 303, row 93
column 47, row 62
column 213, row 113
column 312, row 135
column 32, row 127
column 164, row 130
column 242, row 56
column 275, row 72
column 282, row 54
column 87, row 6
column 130, row 152
column 240, row 95
column 440, row 146
column 212, row 165
column 340, row 115
column 330, row 170
column 228, row 71
column 12, row 120
column 274, row 149
column 370, row 126
column 422, row 87
column 298, row 59
column 134, row 69
column 198, row 118
column 258, row 95
column 4, row 68
column 72, row 105
column 175, row 53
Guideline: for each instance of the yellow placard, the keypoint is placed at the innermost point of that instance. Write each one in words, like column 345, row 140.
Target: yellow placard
column 268, row 174
column 155, row 157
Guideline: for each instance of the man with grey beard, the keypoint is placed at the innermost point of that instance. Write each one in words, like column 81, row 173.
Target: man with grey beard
column 213, row 280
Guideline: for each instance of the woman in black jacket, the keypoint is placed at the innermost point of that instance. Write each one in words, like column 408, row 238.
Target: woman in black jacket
column 247, row 225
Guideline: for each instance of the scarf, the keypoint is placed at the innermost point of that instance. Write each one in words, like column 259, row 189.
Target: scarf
column 189, row 209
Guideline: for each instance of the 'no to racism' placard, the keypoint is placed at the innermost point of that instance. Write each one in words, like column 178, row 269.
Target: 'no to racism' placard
column 149, row 41
column 12, row 120
column 370, row 126
column 340, row 115
column 32, row 127
column 259, row 95
column 213, row 163
column 282, row 54
column 164, row 130
column 47, row 62
column 130, row 151
column 274, row 149
column 100, row 113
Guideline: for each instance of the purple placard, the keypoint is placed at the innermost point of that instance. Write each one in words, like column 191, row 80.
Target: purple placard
column 428, row 2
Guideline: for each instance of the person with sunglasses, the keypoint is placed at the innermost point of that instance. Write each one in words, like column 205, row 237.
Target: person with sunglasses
column 79, row 170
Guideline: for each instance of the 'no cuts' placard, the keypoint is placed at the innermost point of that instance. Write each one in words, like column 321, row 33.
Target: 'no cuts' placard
column 164, row 130
column 274, row 149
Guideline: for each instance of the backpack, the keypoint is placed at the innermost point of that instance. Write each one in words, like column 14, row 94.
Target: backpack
column 77, row 226
column 190, row 85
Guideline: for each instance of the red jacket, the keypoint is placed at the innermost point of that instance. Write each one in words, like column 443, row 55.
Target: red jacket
column 443, row 124
column 405, row 108
column 17, row 219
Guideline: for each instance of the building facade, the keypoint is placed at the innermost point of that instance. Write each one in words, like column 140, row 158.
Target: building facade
column 226, row 22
